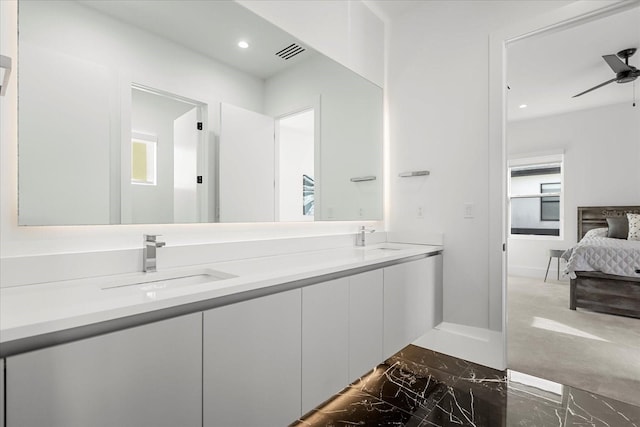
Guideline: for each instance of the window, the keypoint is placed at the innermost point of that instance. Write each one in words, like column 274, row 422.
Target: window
column 143, row 159
column 550, row 206
column 535, row 196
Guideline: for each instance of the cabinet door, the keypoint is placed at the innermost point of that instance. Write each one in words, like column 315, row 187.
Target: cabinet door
column 144, row 376
column 412, row 301
column 252, row 362
column 365, row 322
column 325, row 336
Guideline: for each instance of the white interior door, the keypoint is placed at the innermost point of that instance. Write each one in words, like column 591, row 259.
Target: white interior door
column 246, row 170
column 185, row 167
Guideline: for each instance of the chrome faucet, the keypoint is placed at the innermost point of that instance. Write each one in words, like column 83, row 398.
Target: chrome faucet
column 361, row 236
column 149, row 252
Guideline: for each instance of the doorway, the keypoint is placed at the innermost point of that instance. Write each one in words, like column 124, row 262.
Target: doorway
column 588, row 350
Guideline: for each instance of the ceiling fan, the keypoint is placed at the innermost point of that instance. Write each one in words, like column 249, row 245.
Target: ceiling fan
column 624, row 72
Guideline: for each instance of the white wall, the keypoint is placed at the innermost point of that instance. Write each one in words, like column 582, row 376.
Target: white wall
column 21, row 241
column 80, row 94
column 601, row 168
column 438, row 95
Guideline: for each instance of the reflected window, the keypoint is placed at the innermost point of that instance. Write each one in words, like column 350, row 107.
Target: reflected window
column 535, row 190
column 143, row 159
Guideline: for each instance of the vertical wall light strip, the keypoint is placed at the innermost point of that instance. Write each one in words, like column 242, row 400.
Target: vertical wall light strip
column 386, row 138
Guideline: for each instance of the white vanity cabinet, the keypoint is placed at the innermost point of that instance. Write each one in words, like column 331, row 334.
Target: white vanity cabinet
column 365, row 322
column 251, row 369
column 412, row 301
column 341, row 334
column 264, row 360
column 325, row 341
column 148, row 375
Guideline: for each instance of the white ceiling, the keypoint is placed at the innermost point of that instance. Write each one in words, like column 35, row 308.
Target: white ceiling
column 545, row 71
column 212, row 28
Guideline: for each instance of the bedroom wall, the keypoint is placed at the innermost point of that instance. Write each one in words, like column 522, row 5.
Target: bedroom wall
column 602, row 154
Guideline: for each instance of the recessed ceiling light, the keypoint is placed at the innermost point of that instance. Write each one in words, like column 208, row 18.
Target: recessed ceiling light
column 523, row 105
column 243, row 44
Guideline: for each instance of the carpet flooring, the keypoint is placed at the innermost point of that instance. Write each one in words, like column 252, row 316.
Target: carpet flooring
column 588, row 350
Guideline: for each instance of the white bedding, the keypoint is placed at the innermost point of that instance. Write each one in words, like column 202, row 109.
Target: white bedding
column 595, row 252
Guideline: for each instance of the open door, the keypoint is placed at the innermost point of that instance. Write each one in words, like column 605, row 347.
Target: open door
column 246, row 166
column 185, row 167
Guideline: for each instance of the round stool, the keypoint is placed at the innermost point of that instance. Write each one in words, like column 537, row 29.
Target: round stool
column 554, row 253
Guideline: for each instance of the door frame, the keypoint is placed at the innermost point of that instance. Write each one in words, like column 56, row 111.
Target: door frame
column 573, row 14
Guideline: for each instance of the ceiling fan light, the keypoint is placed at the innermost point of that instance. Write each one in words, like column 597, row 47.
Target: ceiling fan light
column 627, row 79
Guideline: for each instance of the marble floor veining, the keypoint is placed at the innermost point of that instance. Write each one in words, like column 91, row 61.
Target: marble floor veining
column 422, row 388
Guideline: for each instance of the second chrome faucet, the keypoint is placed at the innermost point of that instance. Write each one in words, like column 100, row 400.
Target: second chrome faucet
column 149, row 252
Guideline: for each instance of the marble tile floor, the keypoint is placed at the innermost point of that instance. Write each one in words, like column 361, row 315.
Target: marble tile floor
column 423, row 388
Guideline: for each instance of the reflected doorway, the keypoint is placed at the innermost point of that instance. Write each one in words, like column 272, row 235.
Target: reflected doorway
column 295, row 181
column 162, row 170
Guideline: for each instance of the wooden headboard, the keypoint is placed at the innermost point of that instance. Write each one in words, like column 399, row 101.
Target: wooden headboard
column 596, row 216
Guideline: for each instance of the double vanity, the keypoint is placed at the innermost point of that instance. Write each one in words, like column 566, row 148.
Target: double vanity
column 256, row 341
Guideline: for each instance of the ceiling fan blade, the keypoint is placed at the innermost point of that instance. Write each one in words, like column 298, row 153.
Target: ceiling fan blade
column 616, row 64
column 595, row 87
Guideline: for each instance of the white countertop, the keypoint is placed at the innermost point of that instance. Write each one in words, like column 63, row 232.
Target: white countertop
column 33, row 310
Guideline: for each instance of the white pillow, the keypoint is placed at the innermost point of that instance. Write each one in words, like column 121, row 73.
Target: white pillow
column 596, row 232
column 634, row 226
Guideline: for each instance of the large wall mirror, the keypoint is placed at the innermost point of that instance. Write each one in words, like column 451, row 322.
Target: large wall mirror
column 153, row 112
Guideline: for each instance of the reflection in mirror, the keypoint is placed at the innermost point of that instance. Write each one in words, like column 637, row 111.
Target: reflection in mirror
column 165, row 139
column 131, row 72
column 295, row 166
column 247, row 168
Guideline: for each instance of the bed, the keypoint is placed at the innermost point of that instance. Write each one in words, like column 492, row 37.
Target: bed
column 604, row 272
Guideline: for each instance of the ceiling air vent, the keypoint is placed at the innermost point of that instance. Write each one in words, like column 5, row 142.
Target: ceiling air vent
column 290, row 51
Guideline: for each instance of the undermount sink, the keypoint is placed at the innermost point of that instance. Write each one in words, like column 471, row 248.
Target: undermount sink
column 383, row 247
column 167, row 280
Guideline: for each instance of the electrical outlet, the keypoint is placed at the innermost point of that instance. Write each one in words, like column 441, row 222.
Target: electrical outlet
column 360, row 212
column 468, row 210
column 420, row 212
column 330, row 213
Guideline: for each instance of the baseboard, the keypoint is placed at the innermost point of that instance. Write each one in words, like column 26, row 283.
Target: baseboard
column 478, row 345
column 536, row 273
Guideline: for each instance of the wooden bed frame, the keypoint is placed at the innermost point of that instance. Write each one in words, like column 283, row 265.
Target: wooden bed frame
column 597, row 291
